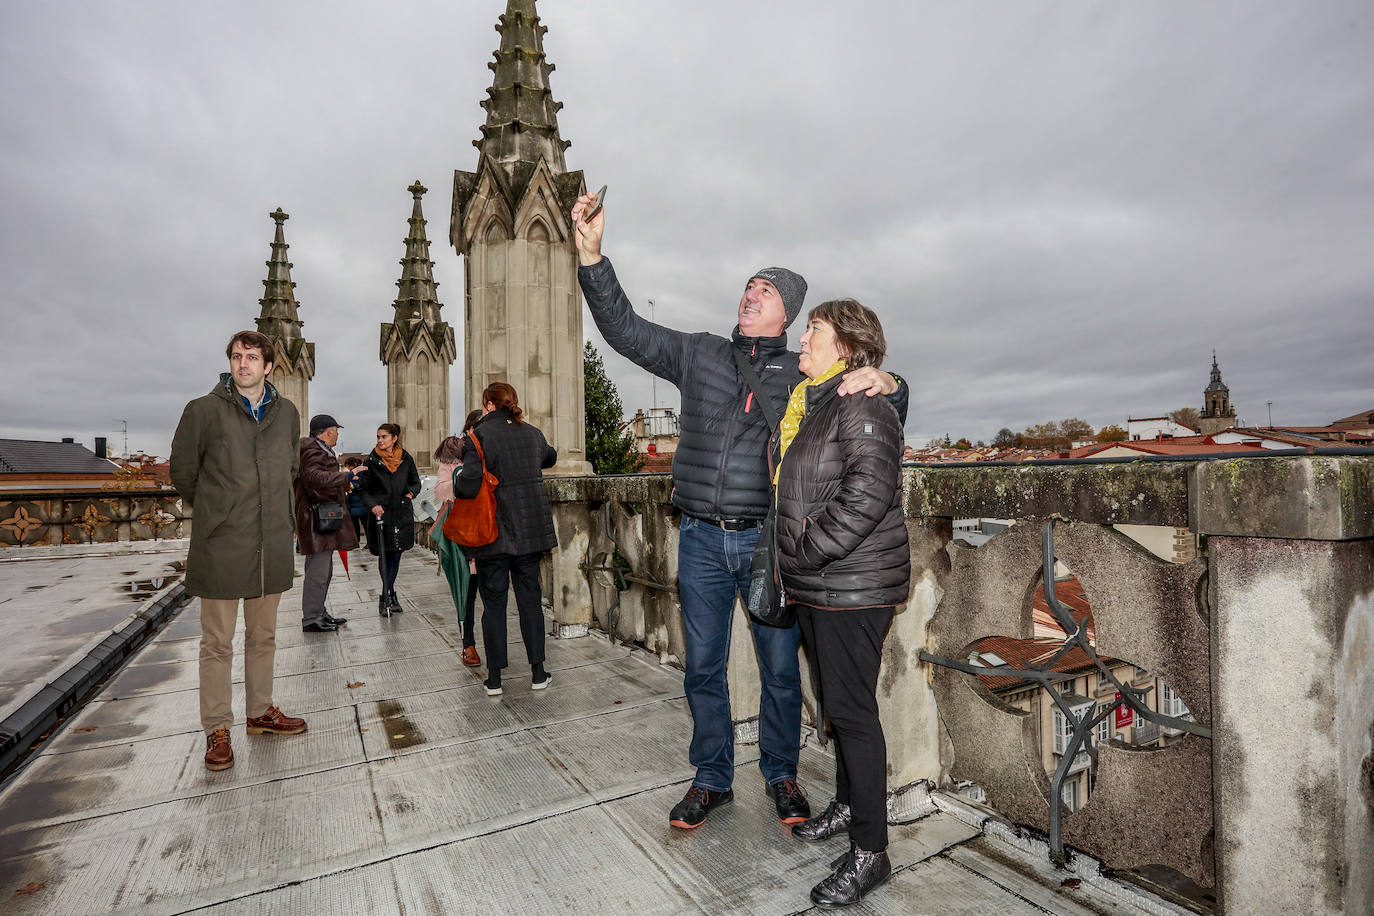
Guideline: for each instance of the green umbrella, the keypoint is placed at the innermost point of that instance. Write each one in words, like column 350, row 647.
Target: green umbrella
column 454, row 563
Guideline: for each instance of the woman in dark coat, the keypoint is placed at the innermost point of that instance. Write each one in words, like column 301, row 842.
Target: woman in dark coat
column 845, row 564
column 389, row 484
column 515, row 453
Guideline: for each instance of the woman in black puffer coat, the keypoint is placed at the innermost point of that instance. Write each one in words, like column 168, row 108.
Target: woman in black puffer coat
column 389, row 484
column 845, row 563
column 515, row 453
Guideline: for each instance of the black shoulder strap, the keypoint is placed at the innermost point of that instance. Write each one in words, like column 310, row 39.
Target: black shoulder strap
column 756, row 385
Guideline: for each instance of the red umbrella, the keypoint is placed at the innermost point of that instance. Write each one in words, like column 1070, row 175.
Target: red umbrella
column 343, row 555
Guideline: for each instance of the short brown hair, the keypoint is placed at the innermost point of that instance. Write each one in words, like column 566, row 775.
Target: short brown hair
column 450, row 451
column 473, row 417
column 254, row 341
column 857, row 330
column 503, row 396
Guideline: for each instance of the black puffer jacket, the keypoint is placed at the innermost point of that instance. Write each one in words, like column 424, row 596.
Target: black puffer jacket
column 515, row 453
column 841, row 533
column 388, row 489
column 720, row 468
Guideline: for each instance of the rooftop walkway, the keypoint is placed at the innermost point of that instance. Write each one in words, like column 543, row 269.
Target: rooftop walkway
column 414, row 792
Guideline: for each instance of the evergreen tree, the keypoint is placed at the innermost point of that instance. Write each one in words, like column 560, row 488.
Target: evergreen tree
column 610, row 448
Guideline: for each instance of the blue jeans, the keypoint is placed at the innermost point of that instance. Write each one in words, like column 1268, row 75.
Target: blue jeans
column 713, row 565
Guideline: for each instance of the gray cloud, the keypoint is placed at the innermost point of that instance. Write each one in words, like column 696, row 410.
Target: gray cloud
column 1057, row 209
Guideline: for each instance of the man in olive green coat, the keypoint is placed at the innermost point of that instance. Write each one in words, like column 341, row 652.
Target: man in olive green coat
column 234, row 457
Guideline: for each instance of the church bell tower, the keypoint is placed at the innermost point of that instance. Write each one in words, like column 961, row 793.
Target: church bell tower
column 1217, row 412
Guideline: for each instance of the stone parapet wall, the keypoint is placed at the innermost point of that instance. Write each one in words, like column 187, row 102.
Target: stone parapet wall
column 33, row 518
column 1266, row 633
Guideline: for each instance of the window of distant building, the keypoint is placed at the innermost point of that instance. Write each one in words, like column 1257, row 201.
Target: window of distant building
column 1069, row 795
column 1063, row 728
column 1171, row 704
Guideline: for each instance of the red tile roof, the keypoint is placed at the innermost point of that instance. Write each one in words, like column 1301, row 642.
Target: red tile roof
column 1048, row 638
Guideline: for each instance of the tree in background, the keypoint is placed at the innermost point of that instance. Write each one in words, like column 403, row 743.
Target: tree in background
column 610, row 447
column 1005, row 438
column 1111, row 433
column 1074, row 430
column 963, row 444
column 1042, row 435
column 1187, row 416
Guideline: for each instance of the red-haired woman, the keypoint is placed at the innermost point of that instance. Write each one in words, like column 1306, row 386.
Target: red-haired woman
column 516, row 452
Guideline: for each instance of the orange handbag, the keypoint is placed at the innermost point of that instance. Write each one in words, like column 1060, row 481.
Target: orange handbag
column 472, row 522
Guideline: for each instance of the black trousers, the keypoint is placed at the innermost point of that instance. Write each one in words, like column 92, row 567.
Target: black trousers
column 469, row 625
column 846, row 649
column 495, row 576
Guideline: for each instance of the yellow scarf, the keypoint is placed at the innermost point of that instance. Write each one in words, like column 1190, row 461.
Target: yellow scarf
column 796, row 409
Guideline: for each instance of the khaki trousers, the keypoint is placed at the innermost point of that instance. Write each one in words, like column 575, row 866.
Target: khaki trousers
column 218, row 619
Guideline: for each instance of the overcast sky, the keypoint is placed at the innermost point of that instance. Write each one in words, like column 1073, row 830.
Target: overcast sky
column 1057, row 209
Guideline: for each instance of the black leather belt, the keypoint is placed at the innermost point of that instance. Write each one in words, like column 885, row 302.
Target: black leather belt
column 730, row 524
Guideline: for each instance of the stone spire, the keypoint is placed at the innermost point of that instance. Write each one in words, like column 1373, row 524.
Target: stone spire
column 511, row 223
column 280, row 320
column 522, row 122
column 417, row 347
column 1217, row 412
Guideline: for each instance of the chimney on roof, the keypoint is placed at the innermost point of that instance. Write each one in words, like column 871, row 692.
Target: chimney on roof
column 69, row 440
column 100, row 447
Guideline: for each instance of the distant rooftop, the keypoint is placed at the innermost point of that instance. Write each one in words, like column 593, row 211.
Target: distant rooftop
column 28, row 456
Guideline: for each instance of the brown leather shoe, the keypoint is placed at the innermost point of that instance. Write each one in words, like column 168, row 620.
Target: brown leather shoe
column 275, row 722
column 219, row 755
column 470, row 657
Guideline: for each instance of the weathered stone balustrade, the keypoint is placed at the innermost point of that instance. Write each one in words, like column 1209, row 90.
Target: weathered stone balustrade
column 34, row 518
column 1267, row 636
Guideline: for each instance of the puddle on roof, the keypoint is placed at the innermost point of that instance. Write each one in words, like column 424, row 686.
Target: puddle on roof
column 400, row 731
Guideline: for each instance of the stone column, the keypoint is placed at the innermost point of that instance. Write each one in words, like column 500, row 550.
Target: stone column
column 1292, row 681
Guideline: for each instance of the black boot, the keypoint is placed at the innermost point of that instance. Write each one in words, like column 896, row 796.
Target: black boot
column 857, row 874
column 832, row 821
column 395, row 603
column 384, row 605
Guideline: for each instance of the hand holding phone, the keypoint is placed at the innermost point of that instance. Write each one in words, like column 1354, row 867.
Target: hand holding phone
column 596, row 205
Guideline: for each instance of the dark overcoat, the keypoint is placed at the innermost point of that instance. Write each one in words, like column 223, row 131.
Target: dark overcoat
column 319, row 480
column 388, row 489
column 515, row 453
column 236, row 473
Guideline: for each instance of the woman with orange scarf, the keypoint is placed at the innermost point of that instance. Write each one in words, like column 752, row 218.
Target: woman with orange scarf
column 388, row 488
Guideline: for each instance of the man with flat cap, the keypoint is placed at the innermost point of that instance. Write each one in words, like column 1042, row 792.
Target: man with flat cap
column 320, row 481
column 720, row 482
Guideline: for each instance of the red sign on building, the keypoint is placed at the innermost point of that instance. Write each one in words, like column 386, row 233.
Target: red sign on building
column 1124, row 715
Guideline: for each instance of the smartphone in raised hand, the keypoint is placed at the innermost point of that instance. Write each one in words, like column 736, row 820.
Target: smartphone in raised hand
column 596, row 205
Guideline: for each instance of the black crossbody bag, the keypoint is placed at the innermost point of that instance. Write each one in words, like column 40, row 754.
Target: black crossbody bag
column 328, row 517
column 767, row 599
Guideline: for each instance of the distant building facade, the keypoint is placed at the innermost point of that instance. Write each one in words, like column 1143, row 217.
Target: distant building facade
column 1156, row 428
column 656, row 432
